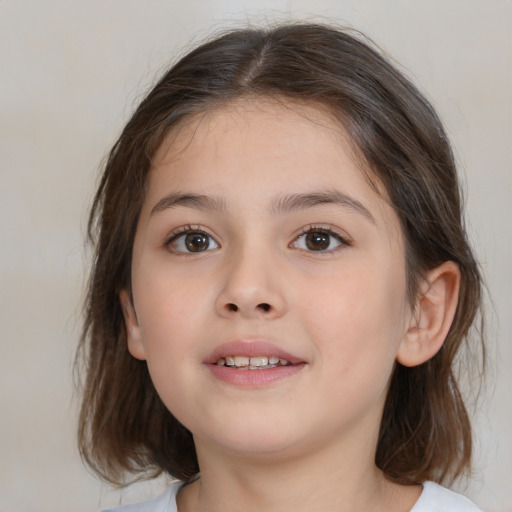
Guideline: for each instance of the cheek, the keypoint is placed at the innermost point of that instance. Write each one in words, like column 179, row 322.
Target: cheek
column 170, row 312
column 162, row 294
column 357, row 319
column 171, row 336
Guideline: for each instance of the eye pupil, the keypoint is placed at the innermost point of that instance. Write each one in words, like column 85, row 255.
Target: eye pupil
column 196, row 242
column 317, row 241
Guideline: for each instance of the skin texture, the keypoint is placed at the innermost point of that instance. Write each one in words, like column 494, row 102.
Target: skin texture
column 306, row 440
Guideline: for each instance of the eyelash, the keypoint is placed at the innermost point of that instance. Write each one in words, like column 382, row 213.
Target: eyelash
column 330, row 231
column 310, row 229
column 181, row 232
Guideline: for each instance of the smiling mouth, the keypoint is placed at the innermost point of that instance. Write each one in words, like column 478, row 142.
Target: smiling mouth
column 252, row 363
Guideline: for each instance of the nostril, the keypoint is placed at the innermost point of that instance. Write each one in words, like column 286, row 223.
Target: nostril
column 262, row 306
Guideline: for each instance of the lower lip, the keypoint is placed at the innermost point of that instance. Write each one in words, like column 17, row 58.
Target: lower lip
column 254, row 378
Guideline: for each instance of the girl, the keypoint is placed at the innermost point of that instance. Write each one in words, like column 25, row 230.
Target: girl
column 281, row 285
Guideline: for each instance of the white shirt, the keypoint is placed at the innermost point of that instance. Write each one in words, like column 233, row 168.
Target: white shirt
column 433, row 498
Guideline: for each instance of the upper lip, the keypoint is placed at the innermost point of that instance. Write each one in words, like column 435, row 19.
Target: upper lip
column 250, row 348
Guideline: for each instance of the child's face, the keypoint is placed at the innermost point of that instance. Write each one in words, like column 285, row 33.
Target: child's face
column 260, row 236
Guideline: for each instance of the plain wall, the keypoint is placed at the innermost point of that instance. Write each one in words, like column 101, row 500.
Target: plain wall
column 71, row 73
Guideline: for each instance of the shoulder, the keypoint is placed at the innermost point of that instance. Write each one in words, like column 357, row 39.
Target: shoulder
column 435, row 498
column 164, row 503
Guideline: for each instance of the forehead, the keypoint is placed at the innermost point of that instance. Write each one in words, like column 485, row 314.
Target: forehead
column 265, row 144
column 286, row 122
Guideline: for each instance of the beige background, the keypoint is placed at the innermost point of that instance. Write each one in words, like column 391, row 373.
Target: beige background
column 70, row 74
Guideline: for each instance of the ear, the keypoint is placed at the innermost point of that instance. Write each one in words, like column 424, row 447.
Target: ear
column 433, row 315
column 133, row 333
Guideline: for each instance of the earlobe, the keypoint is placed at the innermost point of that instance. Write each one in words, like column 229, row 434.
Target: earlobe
column 433, row 315
column 133, row 333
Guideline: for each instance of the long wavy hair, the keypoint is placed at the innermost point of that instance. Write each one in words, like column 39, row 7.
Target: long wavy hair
column 425, row 432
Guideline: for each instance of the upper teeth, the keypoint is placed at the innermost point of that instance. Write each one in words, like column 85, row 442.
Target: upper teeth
column 251, row 362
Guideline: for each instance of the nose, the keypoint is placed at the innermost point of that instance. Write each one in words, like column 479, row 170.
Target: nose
column 251, row 287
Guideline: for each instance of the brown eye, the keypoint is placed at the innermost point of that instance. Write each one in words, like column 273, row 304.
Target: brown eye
column 196, row 242
column 319, row 240
column 192, row 241
column 316, row 241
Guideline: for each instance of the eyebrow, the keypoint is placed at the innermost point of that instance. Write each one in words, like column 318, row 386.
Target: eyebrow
column 296, row 202
column 280, row 205
column 189, row 200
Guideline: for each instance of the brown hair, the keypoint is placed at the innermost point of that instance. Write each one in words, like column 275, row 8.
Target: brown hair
column 425, row 432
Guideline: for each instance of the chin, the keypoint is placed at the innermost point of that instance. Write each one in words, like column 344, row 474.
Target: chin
column 255, row 440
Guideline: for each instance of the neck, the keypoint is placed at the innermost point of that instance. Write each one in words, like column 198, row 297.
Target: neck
column 332, row 479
